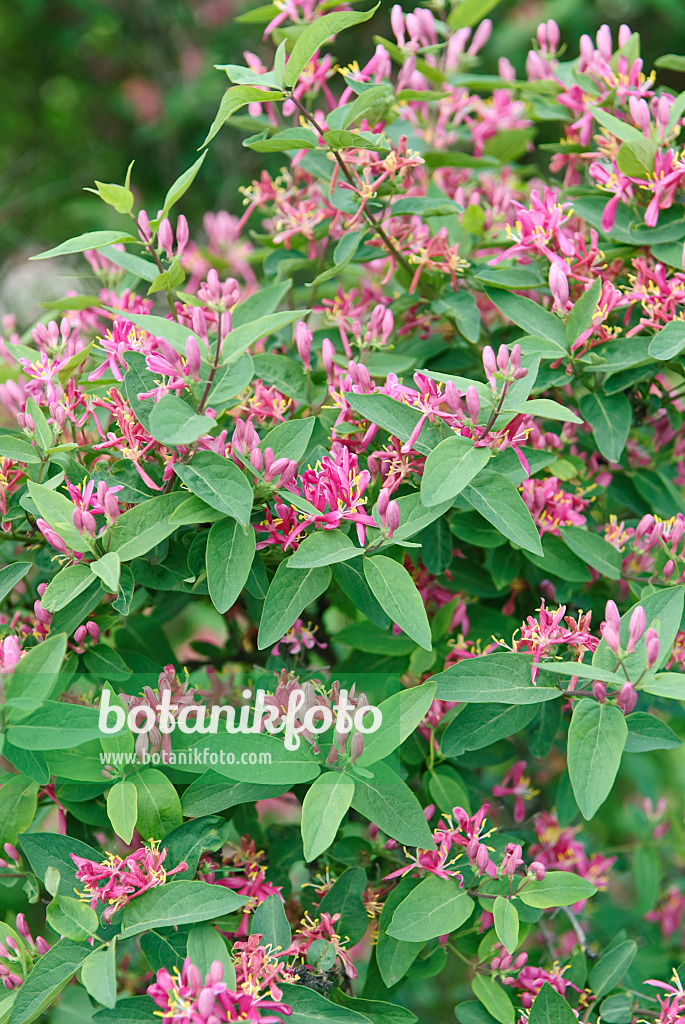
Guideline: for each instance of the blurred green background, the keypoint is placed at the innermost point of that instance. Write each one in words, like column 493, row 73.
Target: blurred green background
column 88, row 86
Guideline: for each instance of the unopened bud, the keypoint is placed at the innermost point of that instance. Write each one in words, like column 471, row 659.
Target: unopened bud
column 638, row 624
column 537, row 869
column 652, row 646
column 599, row 689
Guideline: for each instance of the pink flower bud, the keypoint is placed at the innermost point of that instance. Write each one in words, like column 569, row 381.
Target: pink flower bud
column 12, row 853
column 638, row 624
column 611, row 637
column 669, row 569
column 482, row 857
column 77, row 519
column 193, row 357
column 80, row 634
column 612, row 616
column 42, row 946
column 652, row 647
column 503, row 358
column 604, row 42
column 383, row 502
column 111, row 506
column 553, row 35
column 538, row 870
column 89, row 524
column 93, row 630
column 627, row 698
column 276, row 469
column 452, row 396
column 489, row 363
column 165, row 237
column 23, row 929
column 144, row 226
column 480, row 37
column 472, row 403
column 393, row 518
column 624, row 34
column 199, row 322
column 373, row 832
column 182, row 235
column 356, row 746
column 558, row 285
column 303, row 341
column 599, row 690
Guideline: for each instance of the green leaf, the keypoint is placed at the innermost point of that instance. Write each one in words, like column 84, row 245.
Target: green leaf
column 64, row 587
column 35, row 675
column 610, row 417
column 351, row 579
column 468, row 12
column 315, row 35
column 449, row 468
column 72, row 918
column 323, row 809
column 10, row 576
column 642, row 148
column 212, row 793
column 129, row 1010
column 159, row 807
column 269, row 921
column 529, row 315
column 50, row 974
column 220, row 483
column 494, row 998
column 283, row 142
column 175, row 903
column 669, row 342
column 437, row 906
column 117, row 196
column 48, row 850
column 557, row 889
column 395, row 417
column 290, row 592
column 323, row 547
column 397, row 595
column 376, row 1010
column 266, row 759
column 493, row 679
column 289, row 440
column 370, row 105
column 580, row 317
column 311, row 1008
column 144, row 526
column 205, row 945
column 57, row 509
column 341, row 139
column 235, row 98
column 401, row 714
column 610, row 968
column 479, row 725
column 596, row 738
column 346, row 897
column 172, row 421
column 108, row 569
column 56, row 726
column 593, row 550
column 506, row 923
column 122, row 809
column 647, row 732
column 18, row 804
column 447, row 789
column 666, row 684
column 240, row 338
column 79, row 243
column 393, row 956
column 98, row 975
column 551, row 1008
column 545, row 408
column 18, row 449
column 388, row 802
column 498, row 500
column 229, row 556
column 181, row 186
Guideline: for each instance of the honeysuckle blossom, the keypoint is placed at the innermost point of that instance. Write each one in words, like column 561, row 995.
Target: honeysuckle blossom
column 118, row 880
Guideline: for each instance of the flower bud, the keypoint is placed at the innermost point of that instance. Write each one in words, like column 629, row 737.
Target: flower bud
column 472, row 403
column 537, row 869
column 558, row 285
column 182, row 235
column 42, row 946
column 638, row 624
column 482, row 857
column 393, row 518
column 165, row 237
column 12, row 853
column 328, row 356
column 193, row 357
column 503, row 358
column 599, row 690
column 652, row 646
column 489, row 364
column 303, row 341
column 627, row 698
column 93, row 630
column 144, row 226
column 356, row 746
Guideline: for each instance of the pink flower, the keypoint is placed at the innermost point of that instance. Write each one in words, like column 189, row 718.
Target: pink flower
column 118, row 880
column 516, row 784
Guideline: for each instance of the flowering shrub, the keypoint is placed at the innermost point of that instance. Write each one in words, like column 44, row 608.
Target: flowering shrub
column 403, row 443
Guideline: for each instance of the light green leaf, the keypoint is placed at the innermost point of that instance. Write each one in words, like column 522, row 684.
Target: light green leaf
column 315, row 35
column 529, row 315
column 551, row 1008
column 229, row 556
column 388, row 802
column 108, row 569
column 181, row 186
column 396, row 592
column 593, row 550
column 557, row 889
column 159, row 807
column 494, row 998
column 235, row 98
column 19, row 449
column 437, row 906
column 47, row 979
column 506, row 923
column 64, row 587
column 493, row 679
column 669, row 342
column 290, row 592
column 144, row 526
column 177, row 903
column 172, row 421
column 596, row 738
column 122, row 809
column 610, row 417
column 98, row 975
column 449, row 468
column 325, row 805
column 79, row 243
column 498, row 500
column 401, row 714
column 323, row 547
